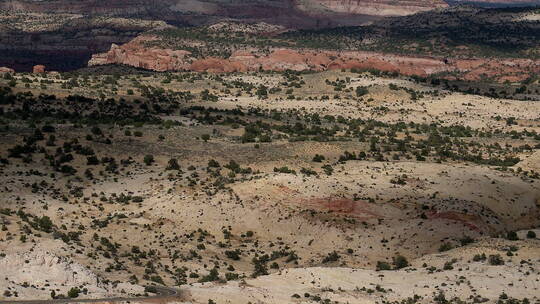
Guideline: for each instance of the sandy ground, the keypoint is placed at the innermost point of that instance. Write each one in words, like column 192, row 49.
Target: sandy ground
column 358, row 211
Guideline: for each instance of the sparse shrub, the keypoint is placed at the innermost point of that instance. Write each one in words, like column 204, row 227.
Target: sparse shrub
column 148, row 159
column 233, row 254
column 212, row 276
column 445, row 247
column 479, row 257
column 213, row 164
column 400, row 262
column 73, row 292
column 173, row 164
column 512, row 236
column 308, row 172
column 45, row 223
column 318, row 158
column 495, row 259
column 157, row 279
column 259, row 266
column 382, row 265
column 231, row 276
column 466, row 240
column 331, row 257
column 284, row 170
column 361, row 91
column 151, row 289
column 440, row 298
column 328, row 170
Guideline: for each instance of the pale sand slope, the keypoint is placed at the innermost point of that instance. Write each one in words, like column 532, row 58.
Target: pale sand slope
column 446, row 108
column 45, row 264
column 344, row 284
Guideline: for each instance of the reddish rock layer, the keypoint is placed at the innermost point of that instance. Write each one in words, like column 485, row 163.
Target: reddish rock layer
column 136, row 54
column 38, row 69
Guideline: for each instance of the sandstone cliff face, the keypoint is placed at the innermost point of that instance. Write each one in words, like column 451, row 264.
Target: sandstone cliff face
column 38, row 69
column 62, row 42
column 78, row 32
column 136, row 54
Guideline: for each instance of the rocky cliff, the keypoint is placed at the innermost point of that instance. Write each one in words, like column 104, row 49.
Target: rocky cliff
column 40, row 32
column 137, row 54
column 64, row 34
column 62, row 41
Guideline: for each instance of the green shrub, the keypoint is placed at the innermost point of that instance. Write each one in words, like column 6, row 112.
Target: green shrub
column 495, row 259
column 382, row 265
column 400, row 262
column 173, row 164
column 512, row 236
column 445, row 247
column 148, row 159
column 331, row 257
column 73, row 292
column 479, row 257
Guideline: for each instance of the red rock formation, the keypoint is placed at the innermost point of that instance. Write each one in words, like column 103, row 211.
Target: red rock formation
column 136, row 54
column 38, row 69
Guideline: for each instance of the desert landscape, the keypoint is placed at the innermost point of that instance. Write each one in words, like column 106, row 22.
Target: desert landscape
column 386, row 157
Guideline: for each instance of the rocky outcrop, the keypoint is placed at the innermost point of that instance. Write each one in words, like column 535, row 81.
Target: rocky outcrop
column 136, row 54
column 62, row 43
column 6, row 70
column 44, row 267
column 38, row 69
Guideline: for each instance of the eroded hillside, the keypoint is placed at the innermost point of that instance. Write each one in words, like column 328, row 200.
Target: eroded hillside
column 336, row 186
